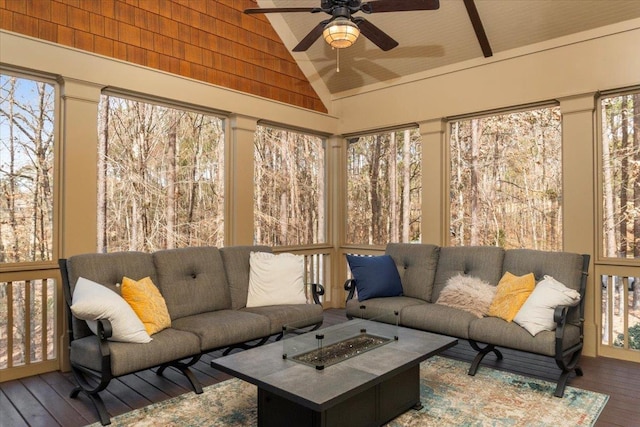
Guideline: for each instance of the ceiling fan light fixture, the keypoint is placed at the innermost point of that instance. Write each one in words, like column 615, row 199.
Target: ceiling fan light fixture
column 340, row 33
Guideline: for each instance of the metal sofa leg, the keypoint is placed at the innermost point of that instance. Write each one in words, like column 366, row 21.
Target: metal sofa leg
column 184, row 368
column 482, row 352
column 102, row 410
column 97, row 402
column 567, row 369
column 91, row 392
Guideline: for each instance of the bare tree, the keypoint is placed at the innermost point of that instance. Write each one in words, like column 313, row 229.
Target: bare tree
column 406, row 185
column 103, row 138
column 171, row 155
column 392, row 161
column 473, row 189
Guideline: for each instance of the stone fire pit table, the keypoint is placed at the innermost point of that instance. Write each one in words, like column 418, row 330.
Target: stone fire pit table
column 368, row 388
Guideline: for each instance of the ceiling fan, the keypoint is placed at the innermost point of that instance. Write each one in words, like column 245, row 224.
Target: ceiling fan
column 342, row 29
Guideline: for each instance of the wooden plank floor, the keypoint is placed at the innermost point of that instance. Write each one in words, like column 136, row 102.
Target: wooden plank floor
column 44, row 400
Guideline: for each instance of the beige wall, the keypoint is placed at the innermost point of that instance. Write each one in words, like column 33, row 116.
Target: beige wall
column 608, row 58
column 570, row 71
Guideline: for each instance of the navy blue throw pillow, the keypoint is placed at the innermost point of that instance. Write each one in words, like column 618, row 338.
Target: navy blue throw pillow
column 375, row 276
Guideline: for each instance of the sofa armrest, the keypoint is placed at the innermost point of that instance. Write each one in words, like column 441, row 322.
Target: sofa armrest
column 104, row 333
column 560, row 316
column 350, row 286
column 317, row 290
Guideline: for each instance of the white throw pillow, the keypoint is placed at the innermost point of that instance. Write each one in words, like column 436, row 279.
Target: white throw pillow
column 536, row 314
column 92, row 301
column 275, row 279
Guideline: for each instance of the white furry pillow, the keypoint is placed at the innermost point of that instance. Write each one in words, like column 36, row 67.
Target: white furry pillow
column 468, row 293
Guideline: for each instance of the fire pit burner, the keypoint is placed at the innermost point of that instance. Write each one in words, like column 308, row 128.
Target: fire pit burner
column 329, row 355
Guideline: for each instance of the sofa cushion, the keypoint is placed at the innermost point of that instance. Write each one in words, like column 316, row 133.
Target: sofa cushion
column 510, row 335
column 167, row 345
column 375, row 276
column 192, row 280
column 147, row 302
column 565, row 267
column 108, row 270
column 222, row 328
column 511, row 293
column 483, row 262
column 236, row 267
column 468, row 293
column 536, row 314
column 381, row 308
column 275, row 279
column 92, row 301
column 437, row 318
column 416, row 265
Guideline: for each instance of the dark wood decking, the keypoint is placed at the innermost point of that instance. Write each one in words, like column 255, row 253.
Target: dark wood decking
column 44, row 400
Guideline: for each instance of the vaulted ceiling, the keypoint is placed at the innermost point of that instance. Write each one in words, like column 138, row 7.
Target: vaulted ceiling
column 432, row 39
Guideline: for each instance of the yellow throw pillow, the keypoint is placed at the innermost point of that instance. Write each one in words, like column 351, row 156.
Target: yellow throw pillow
column 512, row 291
column 147, row 302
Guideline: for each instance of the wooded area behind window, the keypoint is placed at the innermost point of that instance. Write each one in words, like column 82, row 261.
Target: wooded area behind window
column 289, row 191
column 506, row 180
column 27, row 110
column 621, row 175
column 384, row 188
column 160, row 177
column 27, row 142
column 620, row 295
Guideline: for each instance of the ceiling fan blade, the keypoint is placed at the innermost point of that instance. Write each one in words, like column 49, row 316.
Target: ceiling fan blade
column 399, row 5
column 281, row 10
column 310, row 38
column 474, row 16
column 375, row 34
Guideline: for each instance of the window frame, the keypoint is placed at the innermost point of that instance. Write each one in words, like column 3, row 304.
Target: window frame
column 221, row 115
column 601, row 258
column 480, row 115
column 56, row 244
column 412, row 127
column 326, row 179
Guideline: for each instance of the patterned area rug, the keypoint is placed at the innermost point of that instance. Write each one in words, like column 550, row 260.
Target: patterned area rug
column 450, row 398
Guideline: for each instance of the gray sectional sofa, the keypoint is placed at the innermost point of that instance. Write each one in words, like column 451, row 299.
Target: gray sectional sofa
column 205, row 290
column 425, row 270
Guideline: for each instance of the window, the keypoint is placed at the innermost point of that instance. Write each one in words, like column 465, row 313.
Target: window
column 289, row 202
column 27, row 297
column 620, row 182
column 620, row 202
column 27, row 110
column 384, row 188
column 506, row 180
column 160, row 177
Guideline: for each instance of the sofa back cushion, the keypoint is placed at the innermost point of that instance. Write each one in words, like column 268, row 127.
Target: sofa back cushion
column 416, row 265
column 236, row 266
column 565, row 267
column 107, row 270
column 483, row 262
column 192, row 280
